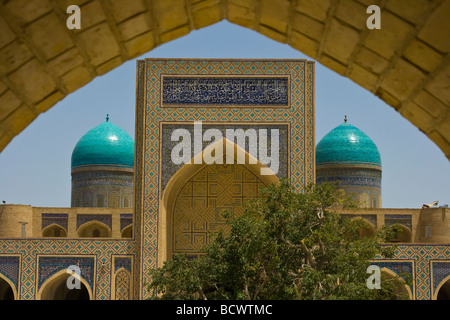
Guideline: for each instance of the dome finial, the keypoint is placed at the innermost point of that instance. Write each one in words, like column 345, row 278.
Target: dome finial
column 345, row 119
column 107, row 117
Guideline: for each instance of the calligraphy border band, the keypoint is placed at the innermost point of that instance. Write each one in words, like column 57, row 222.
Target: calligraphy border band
column 271, row 91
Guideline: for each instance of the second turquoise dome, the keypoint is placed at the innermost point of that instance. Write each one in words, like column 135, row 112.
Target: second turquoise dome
column 347, row 144
column 104, row 145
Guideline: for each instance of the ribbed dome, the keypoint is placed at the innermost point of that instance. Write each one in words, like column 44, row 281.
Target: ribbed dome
column 347, row 144
column 104, row 145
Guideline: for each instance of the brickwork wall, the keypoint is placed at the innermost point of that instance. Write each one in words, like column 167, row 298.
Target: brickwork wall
column 406, row 63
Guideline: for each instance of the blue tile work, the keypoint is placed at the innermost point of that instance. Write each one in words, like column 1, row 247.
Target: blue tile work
column 125, row 220
column 9, row 267
column 103, row 218
column 347, row 144
column 168, row 168
column 48, row 266
column 352, row 181
column 54, row 218
column 232, row 90
column 440, row 270
column 404, row 219
column 151, row 112
column 122, row 262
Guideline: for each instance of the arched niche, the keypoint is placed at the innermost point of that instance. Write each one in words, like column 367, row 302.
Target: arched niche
column 7, row 289
column 403, row 235
column 367, row 229
column 121, row 285
column 402, row 291
column 177, row 185
column 56, row 288
column 127, row 232
column 94, row 229
column 55, row 231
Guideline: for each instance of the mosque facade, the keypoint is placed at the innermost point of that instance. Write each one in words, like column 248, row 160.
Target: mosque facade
column 136, row 203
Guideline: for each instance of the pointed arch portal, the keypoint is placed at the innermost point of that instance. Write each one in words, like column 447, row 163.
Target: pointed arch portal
column 55, row 288
column 405, row 63
column 198, row 194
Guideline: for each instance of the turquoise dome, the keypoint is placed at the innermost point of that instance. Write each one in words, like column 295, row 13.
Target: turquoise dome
column 347, row 144
column 104, row 145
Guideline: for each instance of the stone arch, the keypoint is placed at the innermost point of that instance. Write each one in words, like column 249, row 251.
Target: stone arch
column 405, row 63
column 55, row 288
column 7, row 289
column 367, row 230
column 127, row 232
column 54, row 230
column 442, row 291
column 94, row 229
column 402, row 290
column 404, row 235
column 184, row 175
column 122, row 285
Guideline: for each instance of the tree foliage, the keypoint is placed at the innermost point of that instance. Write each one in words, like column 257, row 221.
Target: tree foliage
column 287, row 245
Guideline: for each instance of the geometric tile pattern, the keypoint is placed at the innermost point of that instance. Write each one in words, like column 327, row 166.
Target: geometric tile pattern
column 203, row 199
column 55, row 218
column 150, row 113
column 32, row 250
column 10, row 268
column 425, row 257
column 440, row 270
column 103, row 218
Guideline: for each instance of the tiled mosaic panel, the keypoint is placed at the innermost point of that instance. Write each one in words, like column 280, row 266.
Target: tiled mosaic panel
column 399, row 267
column 168, row 168
column 150, row 113
column 48, row 266
column 10, row 268
column 60, row 219
column 404, row 219
column 202, row 201
column 122, row 285
column 103, row 218
column 440, row 271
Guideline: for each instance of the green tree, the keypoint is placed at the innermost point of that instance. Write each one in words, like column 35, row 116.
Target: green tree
column 286, row 245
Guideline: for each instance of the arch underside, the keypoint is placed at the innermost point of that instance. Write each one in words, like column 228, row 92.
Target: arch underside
column 405, row 63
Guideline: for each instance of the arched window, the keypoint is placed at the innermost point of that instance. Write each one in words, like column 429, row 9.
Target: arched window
column 94, row 229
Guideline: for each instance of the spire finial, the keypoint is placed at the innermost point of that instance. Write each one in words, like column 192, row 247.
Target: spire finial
column 345, row 119
column 107, row 117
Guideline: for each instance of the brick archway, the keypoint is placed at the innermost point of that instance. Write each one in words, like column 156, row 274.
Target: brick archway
column 406, row 63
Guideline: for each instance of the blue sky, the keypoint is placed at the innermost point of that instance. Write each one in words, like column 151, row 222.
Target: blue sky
column 35, row 166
